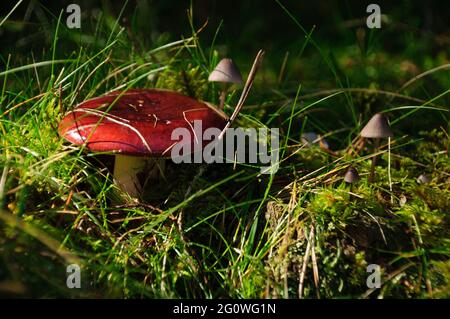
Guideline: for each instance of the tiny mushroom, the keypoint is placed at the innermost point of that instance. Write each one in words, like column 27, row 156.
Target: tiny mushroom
column 423, row 179
column 136, row 127
column 226, row 72
column 377, row 128
column 310, row 138
column 351, row 176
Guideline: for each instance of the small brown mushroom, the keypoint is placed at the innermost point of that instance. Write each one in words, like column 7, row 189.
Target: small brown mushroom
column 311, row 138
column 423, row 179
column 351, row 176
column 377, row 128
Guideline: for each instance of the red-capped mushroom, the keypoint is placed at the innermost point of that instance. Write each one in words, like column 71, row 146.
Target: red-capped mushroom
column 135, row 124
column 139, row 123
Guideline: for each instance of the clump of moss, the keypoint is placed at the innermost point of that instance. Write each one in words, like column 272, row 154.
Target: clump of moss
column 403, row 229
column 189, row 80
column 312, row 158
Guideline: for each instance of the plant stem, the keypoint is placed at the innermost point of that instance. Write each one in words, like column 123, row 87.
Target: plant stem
column 389, row 169
column 125, row 170
column 223, row 96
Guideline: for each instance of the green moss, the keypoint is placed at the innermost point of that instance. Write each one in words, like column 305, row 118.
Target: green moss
column 188, row 80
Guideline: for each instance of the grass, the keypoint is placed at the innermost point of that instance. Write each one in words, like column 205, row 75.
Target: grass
column 224, row 230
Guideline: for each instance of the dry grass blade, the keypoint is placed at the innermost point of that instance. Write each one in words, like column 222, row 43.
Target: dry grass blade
column 367, row 91
column 291, row 207
column 304, row 265
column 22, row 103
column 421, row 75
column 245, row 91
column 314, row 263
column 389, row 277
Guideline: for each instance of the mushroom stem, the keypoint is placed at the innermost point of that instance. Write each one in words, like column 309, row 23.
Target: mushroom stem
column 125, row 174
column 374, row 160
column 223, row 96
column 127, row 167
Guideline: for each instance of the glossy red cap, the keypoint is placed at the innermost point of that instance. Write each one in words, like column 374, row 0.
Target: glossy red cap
column 137, row 122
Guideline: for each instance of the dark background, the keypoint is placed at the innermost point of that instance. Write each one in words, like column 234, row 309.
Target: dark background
column 247, row 25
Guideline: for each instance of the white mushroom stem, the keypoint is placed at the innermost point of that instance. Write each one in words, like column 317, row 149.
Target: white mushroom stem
column 127, row 167
column 125, row 174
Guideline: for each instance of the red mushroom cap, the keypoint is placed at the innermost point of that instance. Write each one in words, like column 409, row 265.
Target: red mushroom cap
column 137, row 121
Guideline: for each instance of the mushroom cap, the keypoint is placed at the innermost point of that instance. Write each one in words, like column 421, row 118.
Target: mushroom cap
column 310, row 138
column 137, row 122
column 351, row 176
column 226, row 71
column 423, row 179
column 377, row 127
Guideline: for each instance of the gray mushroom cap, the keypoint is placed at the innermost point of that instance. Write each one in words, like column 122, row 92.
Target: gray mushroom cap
column 423, row 179
column 351, row 176
column 226, row 71
column 377, row 127
column 310, row 138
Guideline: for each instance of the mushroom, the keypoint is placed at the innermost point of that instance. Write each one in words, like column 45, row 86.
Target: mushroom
column 136, row 126
column 423, row 179
column 310, row 138
column 351, row 177
column 226, row 72
column 377, row 128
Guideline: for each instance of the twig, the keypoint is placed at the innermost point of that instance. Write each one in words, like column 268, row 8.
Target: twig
column 130, row 205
